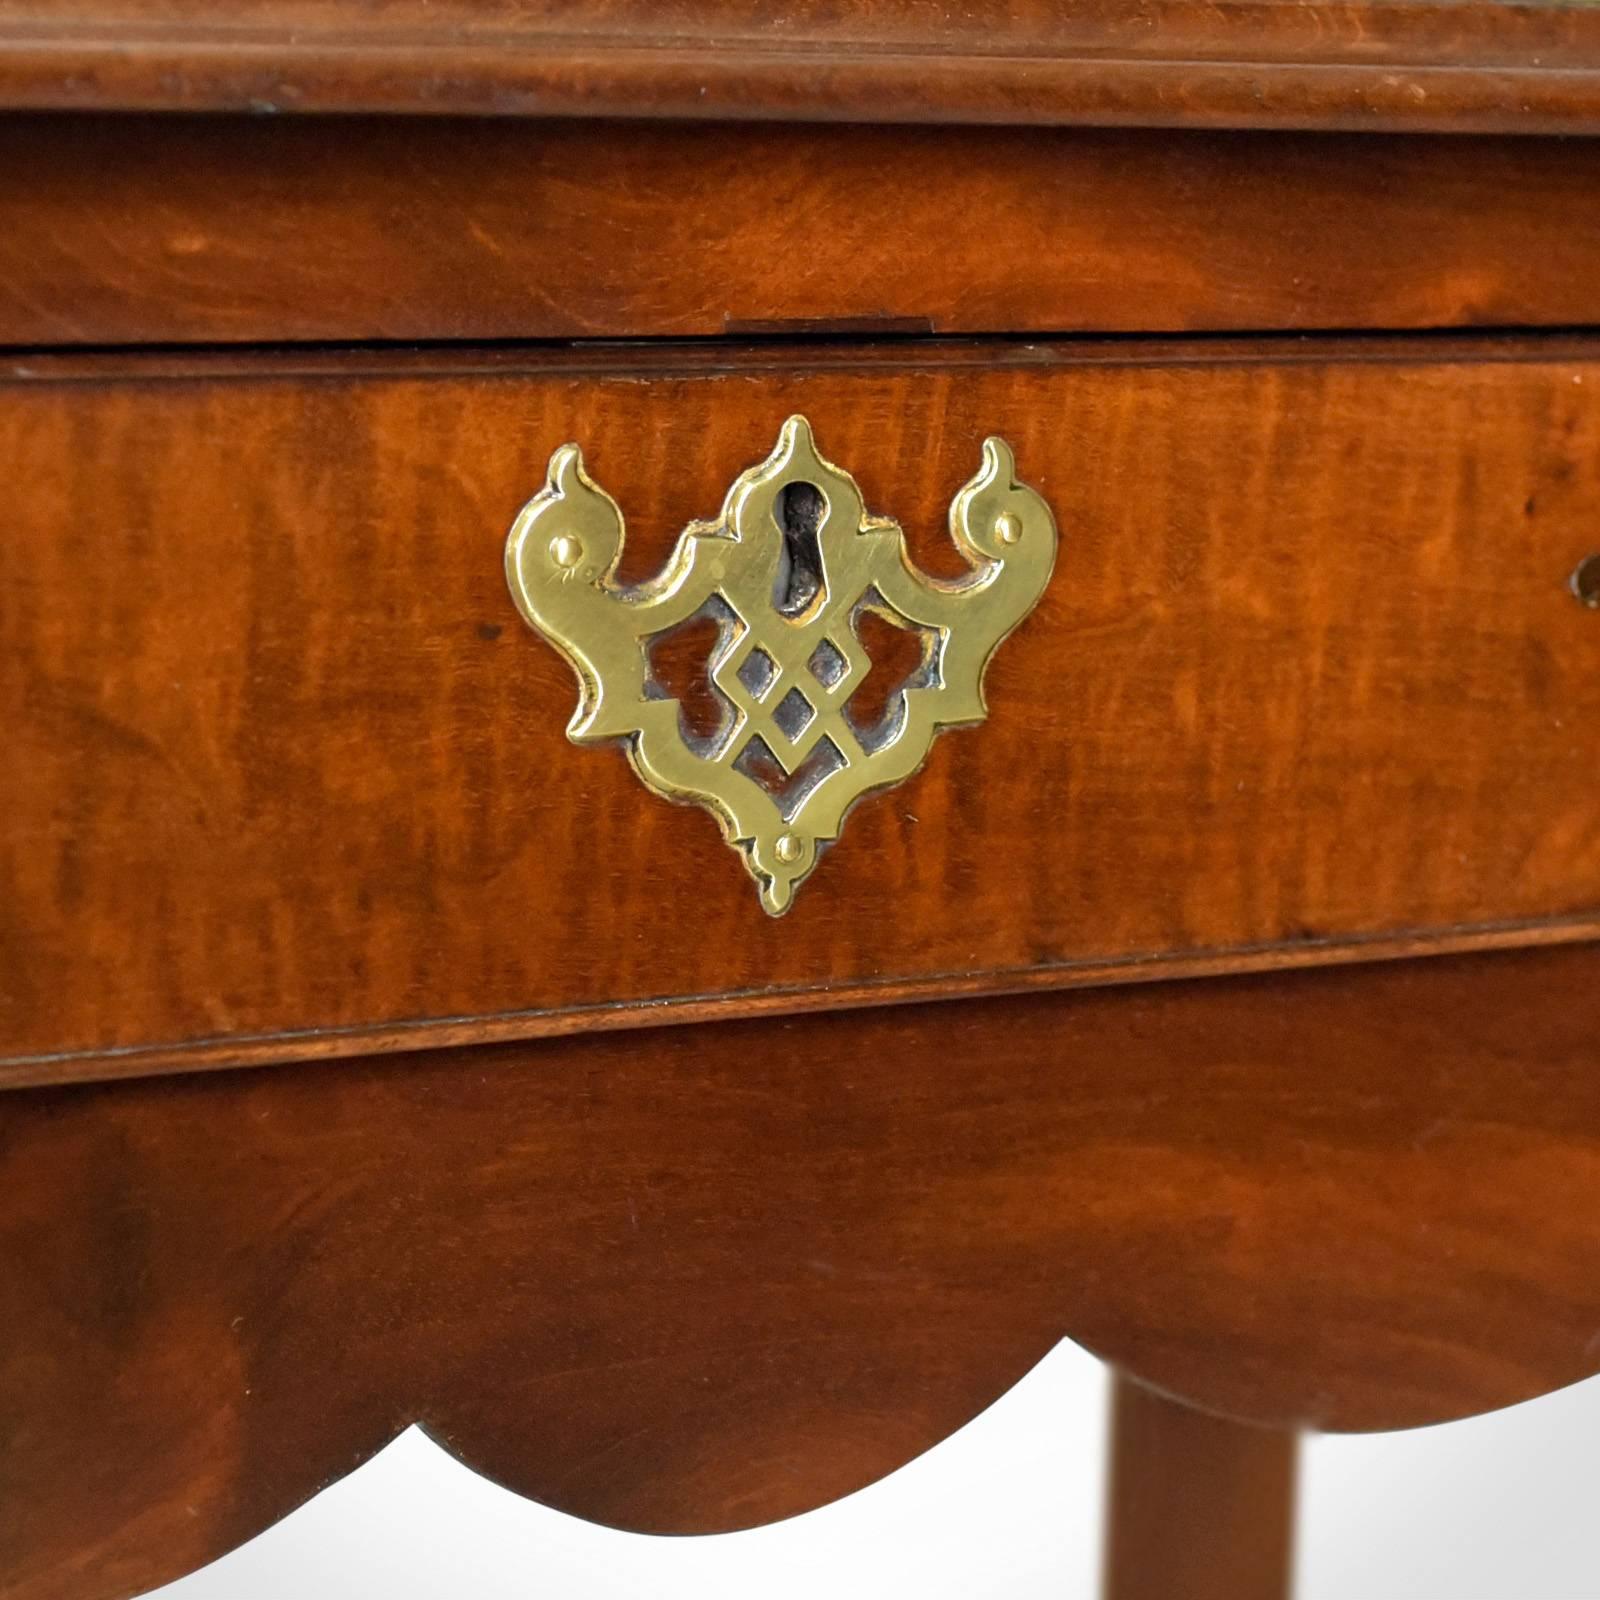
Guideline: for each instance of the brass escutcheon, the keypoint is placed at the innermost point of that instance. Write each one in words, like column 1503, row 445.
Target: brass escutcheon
column 786, row 592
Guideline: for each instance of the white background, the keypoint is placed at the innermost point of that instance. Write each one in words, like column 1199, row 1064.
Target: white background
column 1496, row 1508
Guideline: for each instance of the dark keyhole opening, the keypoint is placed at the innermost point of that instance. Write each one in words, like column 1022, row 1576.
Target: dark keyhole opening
column 800, row 508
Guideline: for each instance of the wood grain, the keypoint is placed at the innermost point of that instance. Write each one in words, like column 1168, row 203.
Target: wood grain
column 1198, row 1506
column 216, row 230
column 1424, row 64
column 283, row 758
column 698, row 1279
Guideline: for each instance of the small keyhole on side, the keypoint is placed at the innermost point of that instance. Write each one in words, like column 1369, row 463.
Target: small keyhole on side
column 800, row 508
column 1585, row 582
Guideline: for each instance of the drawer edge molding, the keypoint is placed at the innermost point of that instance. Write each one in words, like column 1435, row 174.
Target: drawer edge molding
column 221, row 1053
column 1364, row 64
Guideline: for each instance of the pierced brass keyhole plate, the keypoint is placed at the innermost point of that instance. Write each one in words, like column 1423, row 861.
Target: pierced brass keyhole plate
column 786, row 569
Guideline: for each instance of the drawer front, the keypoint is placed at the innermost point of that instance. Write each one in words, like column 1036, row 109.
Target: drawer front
column 287, row 774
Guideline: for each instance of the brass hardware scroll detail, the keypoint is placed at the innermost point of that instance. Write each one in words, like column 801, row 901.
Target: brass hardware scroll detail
column 786, row 570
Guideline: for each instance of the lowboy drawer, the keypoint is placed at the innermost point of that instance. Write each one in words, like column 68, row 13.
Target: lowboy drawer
column 286, row 774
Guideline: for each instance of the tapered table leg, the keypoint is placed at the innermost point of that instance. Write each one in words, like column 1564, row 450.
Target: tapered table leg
column 1198, row 1508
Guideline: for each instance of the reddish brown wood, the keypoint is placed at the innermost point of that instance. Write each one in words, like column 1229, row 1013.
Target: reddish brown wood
column 214, row 230
column 698, row 1279
column 285, row 776
column 1321, row 63
column 284, row 761
column 1198, row 1506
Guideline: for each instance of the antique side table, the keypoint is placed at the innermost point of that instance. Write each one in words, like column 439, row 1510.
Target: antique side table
column 717, row 715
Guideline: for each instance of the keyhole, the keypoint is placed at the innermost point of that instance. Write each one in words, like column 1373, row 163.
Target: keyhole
column 800, row 509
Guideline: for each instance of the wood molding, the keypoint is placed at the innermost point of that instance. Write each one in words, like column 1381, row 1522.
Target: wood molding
column 442, row 1033
column 1423, row 65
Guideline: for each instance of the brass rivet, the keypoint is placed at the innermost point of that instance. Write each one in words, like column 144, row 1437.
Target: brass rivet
column 789, row 849
column 1008, row 527
column 566, row 551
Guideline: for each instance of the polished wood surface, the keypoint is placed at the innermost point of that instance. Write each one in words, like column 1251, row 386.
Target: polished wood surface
column 288, row 774
column 697, row 1279
column 1198, row 1506
column 1420, row 64
column 1317, row 681
column 214, row 230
